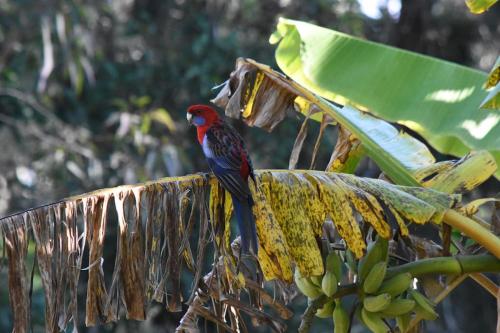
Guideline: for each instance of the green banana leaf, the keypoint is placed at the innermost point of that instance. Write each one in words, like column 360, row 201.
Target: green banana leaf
column 437, row 99
column 263, row 96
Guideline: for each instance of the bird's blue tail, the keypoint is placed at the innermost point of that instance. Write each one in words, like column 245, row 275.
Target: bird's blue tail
column 246, row 224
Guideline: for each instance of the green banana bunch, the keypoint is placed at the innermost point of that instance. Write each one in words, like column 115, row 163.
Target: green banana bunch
column 424, row 307
column 398, row 307
column 377, row 303
column 375, row 277
column 327, row 310
column 396, row 285
column 380, row 301
column 306, row 286
column 376, row 252
column 341, row 319
column 373, row 321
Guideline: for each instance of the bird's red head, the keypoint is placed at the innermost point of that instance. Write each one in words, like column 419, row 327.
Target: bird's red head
column 201, row 116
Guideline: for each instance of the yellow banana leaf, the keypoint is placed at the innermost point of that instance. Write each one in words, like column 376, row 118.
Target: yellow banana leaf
column 458, row 176
column 479, row 6
column 492, row 101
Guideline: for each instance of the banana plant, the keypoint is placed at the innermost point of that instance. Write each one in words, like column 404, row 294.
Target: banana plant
column 261, row 96
column 157, row 222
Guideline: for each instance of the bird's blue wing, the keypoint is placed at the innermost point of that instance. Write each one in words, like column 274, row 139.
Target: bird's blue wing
column 222, row 147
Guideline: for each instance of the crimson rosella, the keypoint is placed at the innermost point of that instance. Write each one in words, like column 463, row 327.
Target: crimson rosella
column 228, row 159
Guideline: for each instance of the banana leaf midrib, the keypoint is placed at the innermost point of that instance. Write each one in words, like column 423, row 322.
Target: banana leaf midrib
column 198, row 177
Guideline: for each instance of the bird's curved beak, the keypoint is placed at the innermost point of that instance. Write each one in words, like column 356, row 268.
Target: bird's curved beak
column 189, row 118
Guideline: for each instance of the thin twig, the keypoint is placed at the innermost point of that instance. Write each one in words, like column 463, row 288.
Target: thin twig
column 498, row 311
column 32, row 102
column 485, row 282
column 49, row 138
column 64, row 131
column 210, row 290
column 308, row 316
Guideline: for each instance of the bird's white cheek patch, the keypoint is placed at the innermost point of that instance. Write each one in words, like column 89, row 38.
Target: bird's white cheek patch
column 206, row 149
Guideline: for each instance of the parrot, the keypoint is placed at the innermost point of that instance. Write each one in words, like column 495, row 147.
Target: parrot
column 228, row 159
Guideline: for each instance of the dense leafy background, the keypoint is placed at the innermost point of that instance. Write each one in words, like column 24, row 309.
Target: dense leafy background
column 111, row 108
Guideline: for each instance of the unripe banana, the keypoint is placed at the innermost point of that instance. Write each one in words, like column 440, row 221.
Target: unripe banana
column 373, row 321
column 316, row 280
column 341, row 319
column 425, row 313
column 403, row 321
column 424, row 306
column 377, row 251
column 377, row 303
column 384, row 246
column 329, row 284
column 306, row 286
column 334, row 264
column 396, row 285
column 398, row 307
column 327, row 310
column 375, row 277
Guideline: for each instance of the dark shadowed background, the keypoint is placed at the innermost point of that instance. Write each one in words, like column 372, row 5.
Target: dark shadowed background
column 93, row 94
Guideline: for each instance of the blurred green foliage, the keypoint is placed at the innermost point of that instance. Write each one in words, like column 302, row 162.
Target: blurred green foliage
column 93, row 93
column 104, row 69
